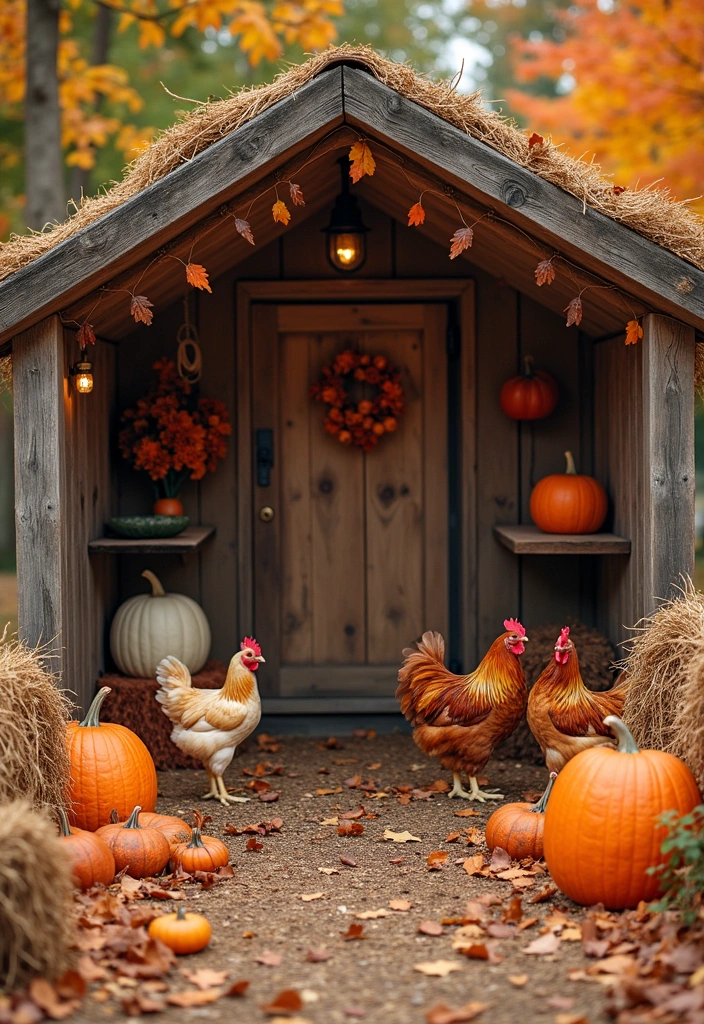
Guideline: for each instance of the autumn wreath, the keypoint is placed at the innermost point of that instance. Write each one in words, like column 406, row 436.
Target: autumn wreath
column 355, row 416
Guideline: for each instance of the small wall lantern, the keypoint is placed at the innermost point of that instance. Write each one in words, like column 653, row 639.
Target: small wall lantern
column 83, row 372
column 346, row 232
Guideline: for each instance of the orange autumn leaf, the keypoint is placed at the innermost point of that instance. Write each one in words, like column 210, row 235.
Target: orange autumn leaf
column 296, row 194
column 574, row 312
column 535, row 140
column 634, row 332
column 197, row 275
column 416, row 215
column 280, row 212
column 85, row 335
column 461, row 240
column 619, row 190
column 141, row 309
column 244, row 229
column 544, row 273
column 362, row 161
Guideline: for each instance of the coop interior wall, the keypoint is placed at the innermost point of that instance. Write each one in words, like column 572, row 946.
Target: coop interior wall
column 510, row 457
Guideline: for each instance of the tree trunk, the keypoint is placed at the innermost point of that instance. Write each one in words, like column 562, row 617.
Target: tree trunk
column 44, row 184
column 81, row 176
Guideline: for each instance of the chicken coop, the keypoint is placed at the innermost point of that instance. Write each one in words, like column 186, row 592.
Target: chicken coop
column 336, row 551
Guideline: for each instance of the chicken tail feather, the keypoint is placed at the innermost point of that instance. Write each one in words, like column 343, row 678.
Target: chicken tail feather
column 422, row 675
column 173, row 678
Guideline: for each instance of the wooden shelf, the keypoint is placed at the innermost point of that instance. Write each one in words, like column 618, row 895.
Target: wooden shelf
column 183, row 543
column 529, row 540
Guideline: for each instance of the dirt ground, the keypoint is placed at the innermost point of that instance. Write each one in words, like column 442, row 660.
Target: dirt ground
column 373, row 978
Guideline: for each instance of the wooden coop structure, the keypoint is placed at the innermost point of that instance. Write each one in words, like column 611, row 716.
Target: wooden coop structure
column 432, row 528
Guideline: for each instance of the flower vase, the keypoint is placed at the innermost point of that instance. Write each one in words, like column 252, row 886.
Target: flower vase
column 168, row 507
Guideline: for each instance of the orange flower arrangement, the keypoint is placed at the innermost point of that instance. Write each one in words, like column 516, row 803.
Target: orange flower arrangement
column 172, row 434
column 360, row 420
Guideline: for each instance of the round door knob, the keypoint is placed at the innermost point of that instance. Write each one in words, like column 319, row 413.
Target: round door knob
column 266, row 514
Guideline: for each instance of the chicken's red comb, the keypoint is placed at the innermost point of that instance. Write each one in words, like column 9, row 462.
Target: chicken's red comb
column 250, row 642
column 564, row 636
column 514, row 626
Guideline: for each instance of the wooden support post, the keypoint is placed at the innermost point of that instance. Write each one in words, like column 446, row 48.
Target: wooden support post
column 38, row 384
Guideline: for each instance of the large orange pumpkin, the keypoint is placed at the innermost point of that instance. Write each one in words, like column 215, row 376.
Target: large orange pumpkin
column 110, row 768
column 530, row 396
column 92, row 862
column 568, row 502
column 142, row 851
column 601, row 830
column 518, row 828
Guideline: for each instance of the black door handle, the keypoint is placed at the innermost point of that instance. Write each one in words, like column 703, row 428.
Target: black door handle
column 265, row 456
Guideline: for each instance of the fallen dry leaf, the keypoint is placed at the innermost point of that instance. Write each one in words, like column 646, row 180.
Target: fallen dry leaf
column 253, row 845
column 543, row 894
column 350, row 828
column 286, row 1002
column 204, row 978
column 452, row 837
column 401, row 837
column 437, row 859
column 429, row 927
column 310, row 896
column 468, row 812
column 269, row 959
column 500, row 860
column 437, row 968
column 401, row 905
column 473, row 865
column 546, row 945
column 371, row 915
column 197, row 275
column 519, row 980
column 442, row 1014
column 355, row 931
column 329, row 871
column 318, row 955
column 194, row 997
column 237, row 988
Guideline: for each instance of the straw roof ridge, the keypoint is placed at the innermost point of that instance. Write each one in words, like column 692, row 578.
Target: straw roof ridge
column 649, row 211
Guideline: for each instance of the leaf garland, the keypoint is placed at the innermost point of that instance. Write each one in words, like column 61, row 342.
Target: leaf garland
column 416, row 215
column 244, row 229
column 361, row 160
column 296, row 194
column 461, row 240
column 544, row 273
column 141, row 309
column 85, row 335
column 197, row 275
column 634, row 332
column 574, row 311
column 280, row 212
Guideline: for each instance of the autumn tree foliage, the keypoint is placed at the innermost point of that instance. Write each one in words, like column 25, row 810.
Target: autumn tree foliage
column 631, row 76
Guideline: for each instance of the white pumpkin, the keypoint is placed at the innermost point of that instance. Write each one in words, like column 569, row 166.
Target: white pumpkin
column 150, row 627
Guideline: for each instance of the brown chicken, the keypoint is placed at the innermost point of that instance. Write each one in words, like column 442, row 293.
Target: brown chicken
column 566, row 717
column 460, row 719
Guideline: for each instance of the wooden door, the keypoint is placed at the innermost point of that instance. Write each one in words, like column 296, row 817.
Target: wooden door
column 354, row 563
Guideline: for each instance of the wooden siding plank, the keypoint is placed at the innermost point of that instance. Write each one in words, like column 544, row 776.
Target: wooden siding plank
column 435, row 613
column 338, row 680
column 597, row 242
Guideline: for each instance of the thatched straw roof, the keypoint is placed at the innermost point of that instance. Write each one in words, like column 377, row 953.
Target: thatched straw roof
column 650, row 211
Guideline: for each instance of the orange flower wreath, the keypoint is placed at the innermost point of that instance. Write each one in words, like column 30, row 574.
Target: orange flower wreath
column 364, row 422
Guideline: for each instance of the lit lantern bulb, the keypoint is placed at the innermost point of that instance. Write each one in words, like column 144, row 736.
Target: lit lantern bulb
column 84, row 382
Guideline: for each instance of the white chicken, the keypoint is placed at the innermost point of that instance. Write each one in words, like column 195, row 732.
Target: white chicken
column 210, row 724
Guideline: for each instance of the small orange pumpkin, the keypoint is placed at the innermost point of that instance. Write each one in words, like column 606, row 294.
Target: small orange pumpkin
column 181, row 931
column 92, row 859
column 530, row 396
column 202, row 853
column 142, row 851
column 175, row 829
column 518, row 828
column 601, row 824
column 568, row 502
column 110, row 768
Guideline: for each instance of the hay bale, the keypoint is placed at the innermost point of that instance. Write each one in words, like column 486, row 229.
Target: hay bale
column 33, row 716
column 36, row 891
column 665, row 701
column 596, row 657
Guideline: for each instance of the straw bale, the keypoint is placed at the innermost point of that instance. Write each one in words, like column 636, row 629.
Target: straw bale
column 650, row 211
column 664, row 706
column 33, row 716
column 36, row 892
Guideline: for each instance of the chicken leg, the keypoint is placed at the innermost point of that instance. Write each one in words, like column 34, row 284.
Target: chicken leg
column 226, row 798
column 213, row 791
column 475, row 793
column 458, row 789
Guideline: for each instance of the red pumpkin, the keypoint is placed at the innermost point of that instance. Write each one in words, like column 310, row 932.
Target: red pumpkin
column 568, row 502
column 518, row 828
column 530, row 396
column 202, row 853
column 601, row 825
column 92, row 859
column 142, row 851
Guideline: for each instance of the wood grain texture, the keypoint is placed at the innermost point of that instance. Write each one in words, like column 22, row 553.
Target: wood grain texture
column 338, row 680
column 183, row 543
column 529, row 540
column 592, row 239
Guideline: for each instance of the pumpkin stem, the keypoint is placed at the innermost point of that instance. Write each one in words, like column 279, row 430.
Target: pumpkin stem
column 195, row 838
column 92, row 719
column 626, row 743
column 543, row 802
column 157, row 589
column 571, row 468
column 64, row 829
column 181, row 913
column 133, row 820
column 528, row 364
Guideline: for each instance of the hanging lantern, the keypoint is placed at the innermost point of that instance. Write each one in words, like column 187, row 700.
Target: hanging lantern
column 346, row 232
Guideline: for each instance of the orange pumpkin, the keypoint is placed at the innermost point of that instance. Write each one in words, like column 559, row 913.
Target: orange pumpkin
column 92, row 859
column 202, row 853
column 110, row 768
column 601, row 825
column 168, row 507
column 530, row 396
column 568, row 502
column 518, row 828
column 142, row 851
column 182, row 932
column 175, row 829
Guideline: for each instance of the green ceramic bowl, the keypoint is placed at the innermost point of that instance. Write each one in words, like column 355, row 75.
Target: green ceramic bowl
column 145, row 527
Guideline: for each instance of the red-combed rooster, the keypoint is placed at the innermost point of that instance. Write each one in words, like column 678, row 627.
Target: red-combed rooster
column 563, row 714
column 460, row 719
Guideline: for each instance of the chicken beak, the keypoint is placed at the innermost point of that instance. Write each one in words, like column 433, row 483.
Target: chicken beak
column 261, row 660
column 525, row 639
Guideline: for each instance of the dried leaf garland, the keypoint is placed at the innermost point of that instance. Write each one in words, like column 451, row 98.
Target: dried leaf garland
column 244, row 229
column 416, row 215
column 141, row 309
column 197, row 276
column 634, row 332
column 361, row 160
column 280, row 212
column 85, row 335
column 574, row 312
column 461, row 240
column 296, row 194
column 544, row 273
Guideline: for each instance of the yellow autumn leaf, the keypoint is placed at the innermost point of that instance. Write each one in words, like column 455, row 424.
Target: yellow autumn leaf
column 280, row 212
column 197, row 275
column 361, row 160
